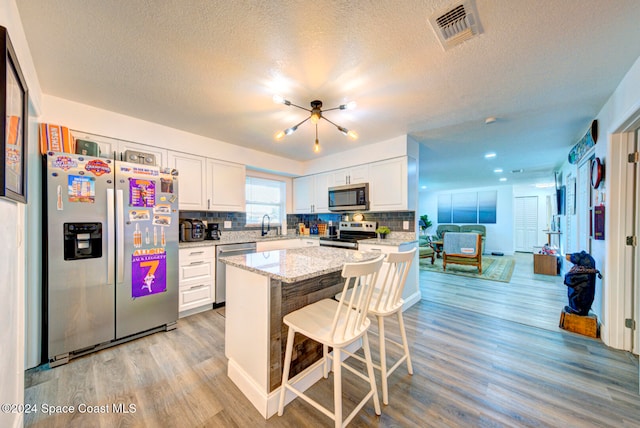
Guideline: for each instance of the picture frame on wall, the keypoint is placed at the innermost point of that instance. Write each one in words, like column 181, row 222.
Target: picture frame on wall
column 14, row 113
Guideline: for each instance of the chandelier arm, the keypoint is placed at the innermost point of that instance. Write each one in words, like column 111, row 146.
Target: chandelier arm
column 334, row 108
column 300, row 107
column 296, row 126
column 337, row 126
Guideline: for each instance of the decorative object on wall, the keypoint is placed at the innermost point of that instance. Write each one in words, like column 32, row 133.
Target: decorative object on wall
column 589, row 140
column 14, row 113
column 597, row 172
column 316, row 114
column 598, row 222
column 468, row 207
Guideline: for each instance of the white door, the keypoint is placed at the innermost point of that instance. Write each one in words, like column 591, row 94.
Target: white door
column 526, row 223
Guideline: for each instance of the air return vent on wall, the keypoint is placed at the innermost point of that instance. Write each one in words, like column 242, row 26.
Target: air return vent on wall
column 456, row 24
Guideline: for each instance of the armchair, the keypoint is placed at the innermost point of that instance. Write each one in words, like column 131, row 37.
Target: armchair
column 425, row 249
column 462, row 248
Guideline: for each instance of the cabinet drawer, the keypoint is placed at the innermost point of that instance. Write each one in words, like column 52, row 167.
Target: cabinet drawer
column 188, row 255
column 195, row 295
column 199, row 269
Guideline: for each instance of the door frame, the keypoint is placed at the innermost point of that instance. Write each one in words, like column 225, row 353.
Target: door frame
column 619, row 258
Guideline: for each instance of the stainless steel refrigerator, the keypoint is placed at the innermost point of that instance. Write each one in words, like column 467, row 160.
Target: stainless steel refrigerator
column 112, row 253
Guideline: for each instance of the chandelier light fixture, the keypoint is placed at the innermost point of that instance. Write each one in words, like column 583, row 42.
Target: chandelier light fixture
column 315, row 116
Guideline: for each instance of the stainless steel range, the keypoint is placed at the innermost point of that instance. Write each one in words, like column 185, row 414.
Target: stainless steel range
column 349, row 234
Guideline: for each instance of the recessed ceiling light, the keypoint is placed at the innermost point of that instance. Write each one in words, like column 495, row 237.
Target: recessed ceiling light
column 490, row 155
column 490, row 119
column 503, row 179
column 423, row 187
column 497, row 170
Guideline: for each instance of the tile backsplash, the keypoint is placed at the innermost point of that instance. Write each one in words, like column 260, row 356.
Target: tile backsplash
column 392, row 219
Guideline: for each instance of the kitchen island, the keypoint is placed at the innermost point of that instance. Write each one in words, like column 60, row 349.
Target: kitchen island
column 262, row 288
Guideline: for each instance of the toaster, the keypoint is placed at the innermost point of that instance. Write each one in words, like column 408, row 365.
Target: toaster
column 191, row 230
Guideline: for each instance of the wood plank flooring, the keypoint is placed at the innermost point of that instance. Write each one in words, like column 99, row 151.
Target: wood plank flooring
column 475, row 364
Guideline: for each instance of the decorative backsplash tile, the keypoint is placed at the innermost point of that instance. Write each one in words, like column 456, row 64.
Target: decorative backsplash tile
column 392, row 219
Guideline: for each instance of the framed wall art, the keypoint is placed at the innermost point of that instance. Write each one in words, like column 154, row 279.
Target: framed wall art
column 14, row 113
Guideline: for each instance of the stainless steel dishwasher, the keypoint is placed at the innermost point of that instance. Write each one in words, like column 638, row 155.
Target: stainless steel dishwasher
column 228, row 250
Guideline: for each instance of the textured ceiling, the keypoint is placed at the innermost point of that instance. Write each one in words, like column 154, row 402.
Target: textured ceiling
column 544, row 68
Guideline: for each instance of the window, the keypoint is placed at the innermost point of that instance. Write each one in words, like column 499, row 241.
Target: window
column 265, row 196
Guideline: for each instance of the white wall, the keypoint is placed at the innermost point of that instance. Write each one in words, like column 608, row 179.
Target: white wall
column 500, row 236
column 13, row 235
column 611, row 252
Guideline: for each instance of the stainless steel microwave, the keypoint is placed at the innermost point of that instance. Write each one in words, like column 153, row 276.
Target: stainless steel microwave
column 350, row 197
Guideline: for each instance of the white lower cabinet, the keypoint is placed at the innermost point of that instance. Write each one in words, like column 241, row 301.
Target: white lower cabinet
column 196, row 279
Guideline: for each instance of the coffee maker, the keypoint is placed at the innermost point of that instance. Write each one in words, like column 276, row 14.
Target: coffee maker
column 213, row 231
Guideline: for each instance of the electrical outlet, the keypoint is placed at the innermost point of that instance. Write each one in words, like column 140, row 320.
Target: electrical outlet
column 405, row 225
column 227, row 225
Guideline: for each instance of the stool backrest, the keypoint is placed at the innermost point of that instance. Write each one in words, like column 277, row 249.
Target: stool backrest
column 351, row 313
column 391, row 284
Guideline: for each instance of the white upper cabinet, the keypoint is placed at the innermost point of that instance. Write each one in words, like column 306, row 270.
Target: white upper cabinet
column 191, row 180
column 225, row 186
column 388, row 185
column 303, row 194
column 353, row 175
column 321, row 193
column 311, row 193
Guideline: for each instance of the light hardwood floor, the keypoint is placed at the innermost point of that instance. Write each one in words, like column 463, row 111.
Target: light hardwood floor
column 481, row 357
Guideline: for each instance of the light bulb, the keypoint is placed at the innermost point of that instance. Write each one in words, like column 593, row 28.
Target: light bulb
column 291, row 130
column 316, row 146
column 278, row 99
column 279, row 136
column 353, row 135
column 315, row 117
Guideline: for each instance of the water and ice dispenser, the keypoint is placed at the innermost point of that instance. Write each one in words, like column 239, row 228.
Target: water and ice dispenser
column 82, row 241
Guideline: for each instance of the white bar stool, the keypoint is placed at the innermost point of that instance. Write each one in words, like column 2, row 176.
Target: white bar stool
column 337, row 325
column 386, row 301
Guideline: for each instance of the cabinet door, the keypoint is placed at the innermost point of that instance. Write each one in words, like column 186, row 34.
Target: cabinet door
column 191, row 180
column 359, row 174
column 303, row 194
column 108, row 146
column 226, row 183
column 321, row 193
column 339, row 177
column 160, row 154
column 388, row 189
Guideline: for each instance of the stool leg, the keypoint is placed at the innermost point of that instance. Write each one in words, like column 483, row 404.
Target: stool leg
column 337, row 387
column 405, row 343
column 325, row 363
column 285, row 371
column 372, row 378
column 383, row 361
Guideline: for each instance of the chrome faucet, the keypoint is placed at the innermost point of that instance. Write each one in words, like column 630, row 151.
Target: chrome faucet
column 268, row 224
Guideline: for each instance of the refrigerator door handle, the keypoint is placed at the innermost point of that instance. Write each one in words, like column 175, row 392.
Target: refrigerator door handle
column 120, row 235
column 111, row 256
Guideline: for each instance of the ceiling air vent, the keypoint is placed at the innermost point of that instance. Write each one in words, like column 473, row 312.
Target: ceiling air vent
column 456, row 24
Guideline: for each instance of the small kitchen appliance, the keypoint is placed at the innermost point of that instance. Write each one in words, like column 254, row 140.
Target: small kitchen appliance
column 191, row 230
column 213, row 232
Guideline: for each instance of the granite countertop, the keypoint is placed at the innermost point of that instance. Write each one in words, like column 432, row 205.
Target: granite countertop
column 240, row 240
column 297, row 264
column 391, row 242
